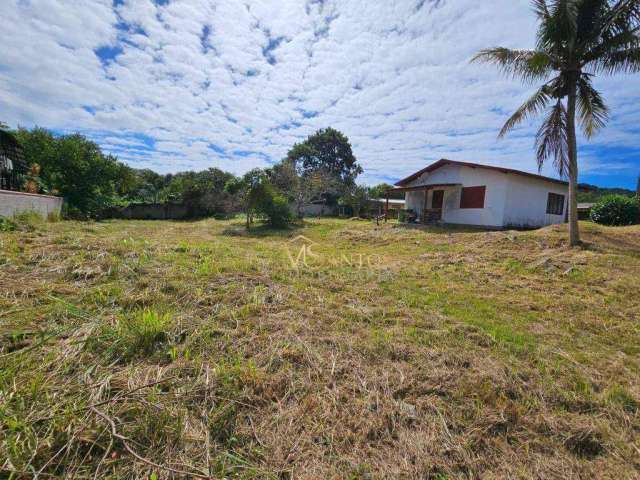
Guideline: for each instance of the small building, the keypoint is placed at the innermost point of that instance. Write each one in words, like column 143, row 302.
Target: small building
column 473, row 194
column 584, row 210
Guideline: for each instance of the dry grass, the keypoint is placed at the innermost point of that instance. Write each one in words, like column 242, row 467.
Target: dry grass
column 133, row 349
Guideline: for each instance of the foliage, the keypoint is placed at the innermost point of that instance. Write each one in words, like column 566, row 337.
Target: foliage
column 202, row 192
column 616, row 210
column 575, row 40
column 74, row 167
column 327, row 151
column 356, row 197
column 275, row 208
column 380, row 191
column 260, row 198
column 7, row 225
column 592, row 193
column 90, row 181
column 315, row 186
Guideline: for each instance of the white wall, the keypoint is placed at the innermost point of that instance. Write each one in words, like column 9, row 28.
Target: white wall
column 510, row 199
column 13, row 203
column 527, row 202
column 496, row 191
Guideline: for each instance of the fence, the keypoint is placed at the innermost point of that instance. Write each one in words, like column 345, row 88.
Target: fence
column 13, row 203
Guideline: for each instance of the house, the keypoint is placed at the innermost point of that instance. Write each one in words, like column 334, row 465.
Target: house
column 473, row 194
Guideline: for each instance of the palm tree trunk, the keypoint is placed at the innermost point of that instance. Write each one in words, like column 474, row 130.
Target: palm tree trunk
column 574, row 232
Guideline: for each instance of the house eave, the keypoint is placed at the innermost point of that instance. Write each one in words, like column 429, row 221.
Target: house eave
column 444, row 161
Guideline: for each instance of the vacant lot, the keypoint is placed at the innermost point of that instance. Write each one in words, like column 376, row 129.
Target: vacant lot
column 134, row 349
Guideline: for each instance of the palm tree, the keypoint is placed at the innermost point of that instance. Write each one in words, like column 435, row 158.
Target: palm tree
column 576, row 40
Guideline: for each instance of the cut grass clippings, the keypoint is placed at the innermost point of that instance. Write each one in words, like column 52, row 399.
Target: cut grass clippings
column 141, row 349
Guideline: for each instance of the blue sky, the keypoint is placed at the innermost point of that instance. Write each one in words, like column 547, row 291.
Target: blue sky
column 190, row 84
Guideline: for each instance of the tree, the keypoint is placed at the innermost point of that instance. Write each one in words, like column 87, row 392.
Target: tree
column 302, row 189
column 327, row 151
column 74, row 167
column 380, row 191
column 356, row 198
column 260, row 198
column 576, row 40
column 202, row 192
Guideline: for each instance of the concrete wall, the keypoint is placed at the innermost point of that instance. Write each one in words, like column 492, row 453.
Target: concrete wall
column 13, row 203
column 510, row 199
column 527, row 202
column 149, row 211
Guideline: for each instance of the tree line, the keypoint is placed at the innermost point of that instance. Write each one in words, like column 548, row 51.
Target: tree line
column 321, row 169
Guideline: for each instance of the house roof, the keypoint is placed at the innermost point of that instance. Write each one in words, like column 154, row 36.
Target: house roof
column 444, row 161
column 426, row 186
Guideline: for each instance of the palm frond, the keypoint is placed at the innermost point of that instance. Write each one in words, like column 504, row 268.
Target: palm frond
column 551, row 139
column 541, row 9
column 622, row 15
column 620, row 41
column 536, row 103
column 558, row 31
column 620, row 61
column 528, row 65
column 591, row 108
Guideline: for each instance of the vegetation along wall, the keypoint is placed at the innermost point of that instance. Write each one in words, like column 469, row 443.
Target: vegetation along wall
column 14, row 203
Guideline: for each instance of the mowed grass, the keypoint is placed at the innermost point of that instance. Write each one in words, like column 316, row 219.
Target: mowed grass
column 133, row 349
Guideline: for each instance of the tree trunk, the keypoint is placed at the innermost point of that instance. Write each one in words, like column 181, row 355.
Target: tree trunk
column 574, row 231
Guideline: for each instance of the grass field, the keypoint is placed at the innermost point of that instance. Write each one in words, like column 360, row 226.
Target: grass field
column 134, row 349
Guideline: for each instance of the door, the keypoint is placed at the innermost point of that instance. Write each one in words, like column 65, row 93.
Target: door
column 436, row 203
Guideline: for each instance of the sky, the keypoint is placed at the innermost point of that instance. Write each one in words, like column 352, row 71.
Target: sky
column 173, row 85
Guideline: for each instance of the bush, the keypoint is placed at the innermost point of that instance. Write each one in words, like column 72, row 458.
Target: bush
column 276, row 210
column 616, row 210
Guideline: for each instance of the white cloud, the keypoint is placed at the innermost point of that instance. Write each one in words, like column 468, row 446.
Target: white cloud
column 256, row 76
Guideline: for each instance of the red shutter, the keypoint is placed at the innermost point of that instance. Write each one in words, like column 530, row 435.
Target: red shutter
column 472, row 197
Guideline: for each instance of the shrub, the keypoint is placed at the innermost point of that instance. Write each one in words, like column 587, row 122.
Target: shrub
column 277, row 211
column 616, row 210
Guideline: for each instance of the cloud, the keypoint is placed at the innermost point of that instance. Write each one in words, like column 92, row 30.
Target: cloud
column 192, row 84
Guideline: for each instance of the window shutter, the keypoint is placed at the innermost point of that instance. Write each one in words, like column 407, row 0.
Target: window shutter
column 472, row 197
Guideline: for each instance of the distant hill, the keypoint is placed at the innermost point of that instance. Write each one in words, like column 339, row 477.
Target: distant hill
column 591, row 193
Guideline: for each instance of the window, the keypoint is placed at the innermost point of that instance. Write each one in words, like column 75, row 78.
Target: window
column 555, row 204
column 472, row 197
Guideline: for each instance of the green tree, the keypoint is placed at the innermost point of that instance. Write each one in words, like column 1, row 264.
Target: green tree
column 327, row 151
column 260, row 198
column 380, row 191
column 75, row 167
column 356, row 197
column 202, row 192
column 576, row 40
column 302, row 189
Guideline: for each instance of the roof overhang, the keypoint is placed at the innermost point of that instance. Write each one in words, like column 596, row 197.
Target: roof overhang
column 420, row 188
column 444, row 161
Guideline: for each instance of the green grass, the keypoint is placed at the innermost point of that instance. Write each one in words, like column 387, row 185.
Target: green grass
column 381, row 352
